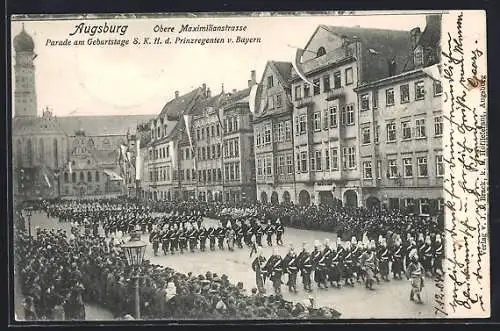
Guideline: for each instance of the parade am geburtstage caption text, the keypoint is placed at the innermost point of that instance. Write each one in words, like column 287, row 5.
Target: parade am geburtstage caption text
column 84, row 34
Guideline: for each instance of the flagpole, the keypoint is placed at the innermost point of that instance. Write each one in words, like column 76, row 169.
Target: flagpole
column 223, row 172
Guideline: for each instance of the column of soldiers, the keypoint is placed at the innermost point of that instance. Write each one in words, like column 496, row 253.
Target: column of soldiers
column 180, row 233
column 351, row 262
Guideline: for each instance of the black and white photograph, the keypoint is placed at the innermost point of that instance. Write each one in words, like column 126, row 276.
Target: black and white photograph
column 249, row 166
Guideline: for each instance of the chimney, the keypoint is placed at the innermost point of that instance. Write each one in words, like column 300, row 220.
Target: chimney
column 204, row 87
column 392, row 67
column 176, row 94
column 209, row 93
column 250, row 83
column 415, row 34
column 253, row 77
column 222, row 88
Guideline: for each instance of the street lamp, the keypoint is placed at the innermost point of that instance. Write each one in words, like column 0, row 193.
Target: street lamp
column 134, row 251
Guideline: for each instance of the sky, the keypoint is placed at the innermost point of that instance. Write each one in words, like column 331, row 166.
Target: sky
column 113, row 80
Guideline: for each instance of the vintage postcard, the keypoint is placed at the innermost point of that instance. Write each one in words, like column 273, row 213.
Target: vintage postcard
column 235, row 166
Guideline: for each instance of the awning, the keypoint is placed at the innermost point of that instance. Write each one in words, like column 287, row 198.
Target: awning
column 112, row 175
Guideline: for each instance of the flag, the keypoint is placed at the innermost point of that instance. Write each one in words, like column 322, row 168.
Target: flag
column 252, row 103
column 69, row 167
column 47, row 180
column 297, row 66
column 433, row 71
column 187, row 124
column 123, row 152
column 138, row 160
column 173, row 154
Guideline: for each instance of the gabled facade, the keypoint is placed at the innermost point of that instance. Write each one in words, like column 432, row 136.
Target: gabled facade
column 273, row 135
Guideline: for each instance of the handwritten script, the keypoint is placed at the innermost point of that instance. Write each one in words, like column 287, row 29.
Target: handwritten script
column 465, row 182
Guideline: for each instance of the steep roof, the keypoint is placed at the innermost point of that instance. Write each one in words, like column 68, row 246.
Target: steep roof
column 177, row 106
column 101, row 125
column 284, row 69
column 431, row 37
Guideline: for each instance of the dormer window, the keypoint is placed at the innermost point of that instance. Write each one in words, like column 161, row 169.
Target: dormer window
column 321, row 51
column 418, row 56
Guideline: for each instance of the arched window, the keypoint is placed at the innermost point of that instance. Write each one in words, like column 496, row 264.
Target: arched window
column 73, row 177
column 56, row 154
column 41, row 151
column 321, row 51
column 19, row 152
column 82, row 176
column 97, row 176
column 29, row 152
column 89, row 176
column 66, row 177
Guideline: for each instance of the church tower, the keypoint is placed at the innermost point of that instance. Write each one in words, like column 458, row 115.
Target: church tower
column 24, row 69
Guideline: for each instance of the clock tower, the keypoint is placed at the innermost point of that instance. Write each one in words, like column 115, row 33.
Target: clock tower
column 24, row 69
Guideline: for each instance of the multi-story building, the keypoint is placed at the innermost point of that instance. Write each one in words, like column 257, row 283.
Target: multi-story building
column 273, row 135
column 166, row 145
column 401, row 125
column 326, row 126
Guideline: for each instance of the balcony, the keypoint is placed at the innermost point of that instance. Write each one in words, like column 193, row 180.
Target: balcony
column 304, row 102
column 335, row 94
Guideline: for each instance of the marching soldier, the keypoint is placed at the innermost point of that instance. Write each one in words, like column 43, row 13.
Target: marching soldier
column 155, row 240
column 280, row 229
column 211, row 237
column 415, row 273
column 369, row 262
column 333, row 269
column 397, row 259
column 428, row 255
column 174, row 238
column 348, row 265
column 238, row 232
column 221, row 235
column 247, row 233
column 258, row 267
column 193, row 239
column 269, row 230
column 291, row 266
column 274, row 268
column 183, row 238
column 356, row 255
column 383, row 257
column 258, row 234
column 229, row 237
column 438, row 251
column 306, row 268
column 203, row 234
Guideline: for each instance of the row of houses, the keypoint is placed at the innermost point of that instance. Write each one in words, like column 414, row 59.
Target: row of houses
column 356, row 120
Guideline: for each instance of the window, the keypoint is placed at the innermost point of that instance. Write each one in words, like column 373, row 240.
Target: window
column 218, row 129
column 391, row 132
column 333, row 116
column 348, row 76
column 365, row 134
column 89, row 176
column 289, row 163
column 66, row 177
column 389, row 97
column 379, row 169
column 419, row 90
column 325, row 119
column 236, row 148
column 337, row 80
column 259, row 167
column 298, row 167
column 188, row 174
column 313, row 163
column 288, row 130
column 307, row 90
column 235, row 124
column 187, row 154
column 343, row 115
column 267, row 134
column 438, row 88
column 418, row 56
column 349, row 157
column 407, row 167
column 326, row 83
column 318, row 160
column 230, row 125
column 420, row 128
column 392, row 168
column 376, row 139
column 270, row 82
column 269, row 166
column 303, row 161
column 335, row 158
column 438, row 126
column 367, row 169
column 321, row 51
column 281, row 165
column 316, row 87
column 302, row 124
column 405, row 93
column 424, row 206
column 406, row 130
column 327, row 159
column 317, row 121
column 298, row 91
column 237, row 171
column 365, row 102
column 167, row 151
column 375, row 99
column 439, row 166
column 279, row 101
column 203, row 153
column 281, row 131
column 422, row 166
column 258, row 136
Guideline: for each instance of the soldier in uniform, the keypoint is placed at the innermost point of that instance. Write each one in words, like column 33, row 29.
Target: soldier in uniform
column 193, row 239
column 165, row 240
column 238, row 232
column 258, row 267
column 247, row 232
column 356, row 255
column 258, row 231
column 183, row 237
column 221, row 235
column 369, row 263
column 269, row 230
column 397, row 259
column 203, row 233
column 274, row 268
column 229, row 233
column 291, row 266
column 415, row 273
column 348, row 265
column 333, row 270
column 174, row 238
column 153, row 238
column 437, row 250
column 427, row 256
column 306, row 267
column 383, row 258
column 280, row 229
column 211, row 237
